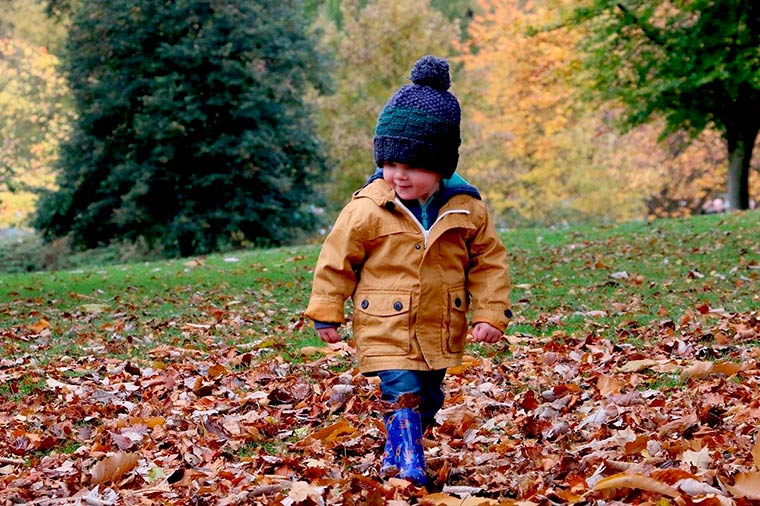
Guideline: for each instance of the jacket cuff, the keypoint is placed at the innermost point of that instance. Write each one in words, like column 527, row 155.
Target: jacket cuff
column 498, row 319
column 325, row 309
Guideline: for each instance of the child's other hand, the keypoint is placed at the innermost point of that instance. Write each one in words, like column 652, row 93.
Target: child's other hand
column 485, row 333
column 329, row 335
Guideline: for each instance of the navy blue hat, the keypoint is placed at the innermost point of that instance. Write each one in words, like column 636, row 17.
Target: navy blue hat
column 419, row 126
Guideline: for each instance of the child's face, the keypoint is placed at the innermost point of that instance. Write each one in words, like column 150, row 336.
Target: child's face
column 410, row 183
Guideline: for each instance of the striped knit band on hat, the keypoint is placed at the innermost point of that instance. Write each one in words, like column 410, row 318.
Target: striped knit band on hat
column 419, row 126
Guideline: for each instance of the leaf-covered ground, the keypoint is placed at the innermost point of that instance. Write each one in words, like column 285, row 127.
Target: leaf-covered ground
column 562, row 421
column 618, row 384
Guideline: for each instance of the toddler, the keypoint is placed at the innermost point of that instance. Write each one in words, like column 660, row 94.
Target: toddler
column 417, row 251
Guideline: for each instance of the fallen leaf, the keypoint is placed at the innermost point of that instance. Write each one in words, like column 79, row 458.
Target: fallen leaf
column 728, row 368
column 700, row 459
column 462, row 491
column 301, row 491
column 38, row 327
column 697, row 370
column 442, row 499
column 597, row 418
column 339, row 395
column 332, row 432
column 313, row 350
column 637, row 481
column 114, row 467
column 746, row 485
column 608, row 385
column 637, row 365
column 694, row 487
column 216, row 371
column 94, row 308
column 467, row 362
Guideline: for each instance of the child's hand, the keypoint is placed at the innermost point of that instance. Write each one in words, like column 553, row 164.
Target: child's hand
column 329, row 335
column 485, row 333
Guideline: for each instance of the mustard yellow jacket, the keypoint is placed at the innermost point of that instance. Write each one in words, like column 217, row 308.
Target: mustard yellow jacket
column 411, row 288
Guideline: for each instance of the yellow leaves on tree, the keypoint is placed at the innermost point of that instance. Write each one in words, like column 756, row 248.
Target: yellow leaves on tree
column 524, row 109
column 34, row 116
column 541, row 154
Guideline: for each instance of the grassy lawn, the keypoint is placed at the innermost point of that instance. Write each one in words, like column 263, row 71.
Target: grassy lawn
column 609, row 281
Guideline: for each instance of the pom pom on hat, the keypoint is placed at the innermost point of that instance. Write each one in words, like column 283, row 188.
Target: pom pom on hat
column 419, row 125
column 433, row 72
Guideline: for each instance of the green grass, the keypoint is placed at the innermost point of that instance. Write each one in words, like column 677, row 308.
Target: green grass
column 665, row 382
column 18, row 389
column 247, row 296
column 613, row 282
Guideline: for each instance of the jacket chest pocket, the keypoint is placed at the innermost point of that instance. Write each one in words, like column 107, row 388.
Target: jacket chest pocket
column 459, row 303
column 381, row 322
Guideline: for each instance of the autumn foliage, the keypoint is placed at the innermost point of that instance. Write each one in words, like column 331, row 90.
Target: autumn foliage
column 34, row 120
column 544, row 154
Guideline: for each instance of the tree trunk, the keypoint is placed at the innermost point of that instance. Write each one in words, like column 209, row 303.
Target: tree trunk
column 740, row 145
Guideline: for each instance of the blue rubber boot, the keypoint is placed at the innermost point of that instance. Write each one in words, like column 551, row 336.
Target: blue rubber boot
column 404, row 445
column 388, row 467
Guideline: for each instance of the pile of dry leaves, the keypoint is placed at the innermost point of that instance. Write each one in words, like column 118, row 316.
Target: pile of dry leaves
column 560, row 420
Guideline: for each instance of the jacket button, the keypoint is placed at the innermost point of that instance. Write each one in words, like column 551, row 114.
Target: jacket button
column 398, row 306
column 458, row 302
column 365, row 304
column 508, row 313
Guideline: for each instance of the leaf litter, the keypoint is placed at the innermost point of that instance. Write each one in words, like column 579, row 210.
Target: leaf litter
column 625, row 396
column 565, row 420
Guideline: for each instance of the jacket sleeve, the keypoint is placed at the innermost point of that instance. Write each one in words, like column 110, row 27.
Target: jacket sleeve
column 488, row 280
column 335, row 274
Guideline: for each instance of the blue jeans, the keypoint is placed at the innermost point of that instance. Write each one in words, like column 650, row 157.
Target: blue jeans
column 425, row 384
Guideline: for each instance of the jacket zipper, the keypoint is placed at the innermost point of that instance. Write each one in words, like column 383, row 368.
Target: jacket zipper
column 426, row 233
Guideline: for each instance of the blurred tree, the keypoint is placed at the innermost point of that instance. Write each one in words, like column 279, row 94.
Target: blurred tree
column 193, row 133
column 375, row 50
column 61, row 9
column 35, row 112
column 58, row 9
column 459, row 11
column 694, row 63
column 539, row 156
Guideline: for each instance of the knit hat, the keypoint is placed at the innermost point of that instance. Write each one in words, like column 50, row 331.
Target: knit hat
column 419, row 126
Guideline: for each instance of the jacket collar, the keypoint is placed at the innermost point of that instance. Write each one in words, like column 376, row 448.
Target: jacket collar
column 456, row 185
column 378, row 191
